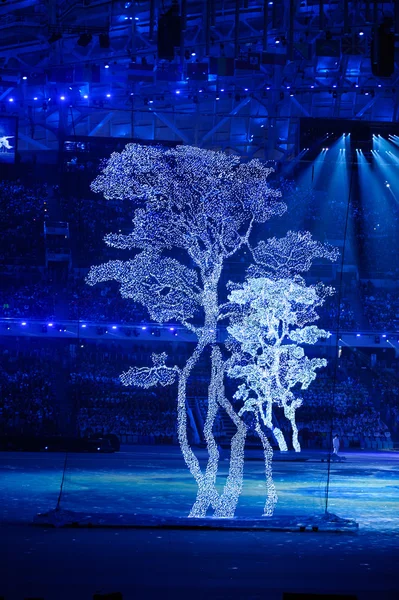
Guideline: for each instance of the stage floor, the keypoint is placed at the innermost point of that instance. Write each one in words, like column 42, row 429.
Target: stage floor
column 154, row 481
column 59, row 564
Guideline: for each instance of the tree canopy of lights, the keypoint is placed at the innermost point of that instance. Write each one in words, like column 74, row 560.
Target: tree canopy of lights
column 200, row 206
column 270, row 328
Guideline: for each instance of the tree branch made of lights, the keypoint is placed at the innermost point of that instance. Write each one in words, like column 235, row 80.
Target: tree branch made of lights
column 192, row 210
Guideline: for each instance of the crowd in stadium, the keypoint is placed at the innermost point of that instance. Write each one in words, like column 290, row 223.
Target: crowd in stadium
column 27, row 403
column 99, row 404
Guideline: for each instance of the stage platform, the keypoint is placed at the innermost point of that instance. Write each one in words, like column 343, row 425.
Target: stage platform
column 145, row 562
column 153, row 483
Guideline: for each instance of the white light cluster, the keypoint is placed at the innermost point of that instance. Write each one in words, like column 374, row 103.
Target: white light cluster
column 168, row 289
column 205, row 204
column 269, row 329
column 146, row 377
column 290, row 255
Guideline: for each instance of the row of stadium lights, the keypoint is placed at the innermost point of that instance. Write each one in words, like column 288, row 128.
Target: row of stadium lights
column 62, row 328
column 144, row 328
column 288, row 88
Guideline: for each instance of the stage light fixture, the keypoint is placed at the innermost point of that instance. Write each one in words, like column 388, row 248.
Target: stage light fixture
column 84, row 39
column 24, row 78
column 361, row 33
column 106, row 66
column 11, row 99
column 277, row 40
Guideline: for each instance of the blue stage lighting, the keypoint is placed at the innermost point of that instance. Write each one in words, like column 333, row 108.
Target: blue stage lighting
column 144, row 328
column 114, row 327
column 11, row 99
column 23, row 323
column 84, row 326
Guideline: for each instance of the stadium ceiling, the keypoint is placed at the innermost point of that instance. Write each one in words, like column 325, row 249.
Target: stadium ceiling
column 239, row 79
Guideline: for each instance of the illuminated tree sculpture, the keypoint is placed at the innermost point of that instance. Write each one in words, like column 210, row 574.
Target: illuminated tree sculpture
column 193, row 210
column 201, row 204
column 270, row 328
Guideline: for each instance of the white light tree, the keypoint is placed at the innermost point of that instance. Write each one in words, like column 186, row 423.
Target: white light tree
column 270, row 328
column 201, row 205
column 193, row 210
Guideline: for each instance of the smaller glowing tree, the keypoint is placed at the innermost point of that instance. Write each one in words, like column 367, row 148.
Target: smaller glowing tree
column 268, row 330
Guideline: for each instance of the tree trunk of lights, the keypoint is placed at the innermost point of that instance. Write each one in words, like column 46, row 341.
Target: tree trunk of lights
column 227, row 502
column 278, row 434
column 271, row 495
column 207, row 494
column 290, row 415
column 233, row 487
column 189, row 457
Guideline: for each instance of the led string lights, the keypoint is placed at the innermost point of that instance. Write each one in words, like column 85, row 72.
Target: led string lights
column 271, row 361
column 204, row 204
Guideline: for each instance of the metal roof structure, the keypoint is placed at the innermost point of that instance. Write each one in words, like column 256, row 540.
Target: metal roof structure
column 241, row 76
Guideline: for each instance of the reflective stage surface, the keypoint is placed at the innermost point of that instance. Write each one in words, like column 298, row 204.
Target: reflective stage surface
column 154, row 481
